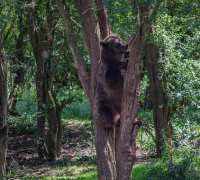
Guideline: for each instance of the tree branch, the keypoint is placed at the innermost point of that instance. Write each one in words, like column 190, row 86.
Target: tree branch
column 3, row 38
column 102, row 19
column 72, row 43
column 90, row 29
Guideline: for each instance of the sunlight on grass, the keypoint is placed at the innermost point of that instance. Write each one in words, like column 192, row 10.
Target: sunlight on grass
column 81, row 172
column 139, row 171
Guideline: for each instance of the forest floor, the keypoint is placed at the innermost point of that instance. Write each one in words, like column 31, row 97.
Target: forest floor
column 77, row 160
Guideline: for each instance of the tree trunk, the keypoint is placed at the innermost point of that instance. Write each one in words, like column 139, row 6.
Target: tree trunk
column 42, row 42
column 3, row 116
column 59, row 109
column 72, row 39
column 52, row 127
column 126, row 150
column 104, row 26
column 106, row 165
column 158, row 97
column 41, row 113
column 18, row 68
column 12, row 100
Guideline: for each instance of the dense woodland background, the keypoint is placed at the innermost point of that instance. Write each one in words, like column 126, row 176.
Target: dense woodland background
column 47, row 61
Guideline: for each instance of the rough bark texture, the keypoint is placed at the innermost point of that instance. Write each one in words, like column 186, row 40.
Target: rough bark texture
column 158, row 97
column 40, row 86
column 128, row 130
column 104, row 138
column 52, row 126
column 90, row 29
column 3, row 115
column 12, row 100
column 41, row 39
column 104, row 26
column 59, row 109
column 72, row 39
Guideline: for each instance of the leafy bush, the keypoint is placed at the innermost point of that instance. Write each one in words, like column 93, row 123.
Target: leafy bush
column 27, row 102
column 78, row 110
column 24, row 123
column 185, row 166
column 27, row 109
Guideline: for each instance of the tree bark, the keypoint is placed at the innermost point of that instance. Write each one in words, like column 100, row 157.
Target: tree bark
column 72, row 39
column 41, row 39
column 12, row 100
column 40, row 87
column 104, row 26
column 53, row 129
column 90, row 30
column 3, row 115
column 104, row 138
column 158, row 97
column 19, row 68
column 128, row 130
column 59, row 109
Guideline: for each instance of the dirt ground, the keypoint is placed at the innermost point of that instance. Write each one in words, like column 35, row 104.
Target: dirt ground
column 77, row 142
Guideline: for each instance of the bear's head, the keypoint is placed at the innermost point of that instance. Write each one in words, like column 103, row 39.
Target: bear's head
column 113, row 49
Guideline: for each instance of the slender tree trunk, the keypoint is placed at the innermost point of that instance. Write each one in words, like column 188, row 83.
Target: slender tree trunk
column 108, row 138
column 159, row 99
column 3, row 116
column 41, row 39
column 59, row 109
column 104, row 151
column 104, row 26
column 12, row 100
column 19, row 68
column 126, row 151
column 72, row 39
column 41, row 112
column 105, row 138
column 52, row 127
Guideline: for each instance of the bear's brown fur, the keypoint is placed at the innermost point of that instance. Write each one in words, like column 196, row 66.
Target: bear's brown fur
column 114, row 56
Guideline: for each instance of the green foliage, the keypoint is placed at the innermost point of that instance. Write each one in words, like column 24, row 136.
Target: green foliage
column 77, row 110
column 146, row 137
column 121, row 18
column 25, row 123
column 176, row 32
column 185, row 166
column 27, row 110
column 139, row 171
column 27, row 102
column 178, row 35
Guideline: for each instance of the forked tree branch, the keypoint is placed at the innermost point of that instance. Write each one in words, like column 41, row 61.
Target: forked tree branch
column 102, row 19
column 72, row 40
column 90, row 29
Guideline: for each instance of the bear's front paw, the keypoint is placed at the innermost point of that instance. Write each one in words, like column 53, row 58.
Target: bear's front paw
column 116, row 119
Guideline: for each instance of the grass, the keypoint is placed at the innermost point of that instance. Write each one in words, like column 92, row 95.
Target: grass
column 76, row 118
column 138, row 171
column 185, row 166
column 77, row 110
column 74, row 172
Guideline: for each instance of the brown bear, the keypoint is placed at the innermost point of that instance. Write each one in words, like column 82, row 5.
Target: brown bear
column 110, row 80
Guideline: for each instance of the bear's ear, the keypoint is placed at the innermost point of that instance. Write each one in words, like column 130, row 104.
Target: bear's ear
column 103, row 43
